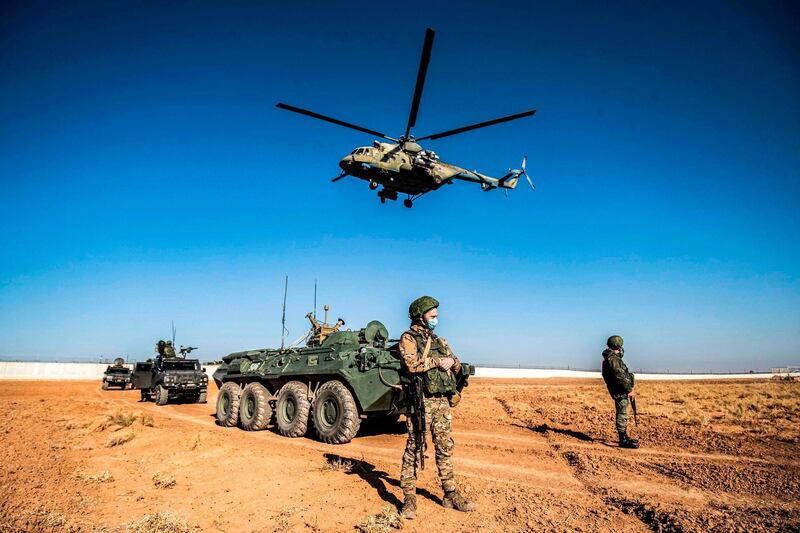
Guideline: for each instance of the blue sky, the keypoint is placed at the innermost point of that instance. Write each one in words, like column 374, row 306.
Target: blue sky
column 146, row 176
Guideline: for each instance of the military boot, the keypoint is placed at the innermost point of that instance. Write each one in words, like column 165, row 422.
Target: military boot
column 627, row 442
column 454, row 500
column 409, row 510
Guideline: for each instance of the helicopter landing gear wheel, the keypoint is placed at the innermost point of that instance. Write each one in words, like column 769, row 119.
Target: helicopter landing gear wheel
column 373, row 185
column 383, row 199
column 408, row 203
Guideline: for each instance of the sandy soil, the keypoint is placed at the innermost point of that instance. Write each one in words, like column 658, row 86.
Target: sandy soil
column 534, row 455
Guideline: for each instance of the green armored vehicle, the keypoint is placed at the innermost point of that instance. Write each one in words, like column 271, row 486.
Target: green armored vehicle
column 117, row 375
column 171, row 377
column 337, row 380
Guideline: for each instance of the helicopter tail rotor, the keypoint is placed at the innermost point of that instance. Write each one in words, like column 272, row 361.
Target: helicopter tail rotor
column 510, row 180
column 524, row 172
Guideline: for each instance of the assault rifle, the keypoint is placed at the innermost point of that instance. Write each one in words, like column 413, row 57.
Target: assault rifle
column 635, row 414
column 416, row 412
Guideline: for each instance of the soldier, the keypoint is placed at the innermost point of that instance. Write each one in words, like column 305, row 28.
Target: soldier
column 169, row 350
column 160, row 345
column 425, row 353
column 620, row 386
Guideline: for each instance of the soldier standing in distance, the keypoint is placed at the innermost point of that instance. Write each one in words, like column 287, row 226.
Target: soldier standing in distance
column 620, row 386
column 423, row 352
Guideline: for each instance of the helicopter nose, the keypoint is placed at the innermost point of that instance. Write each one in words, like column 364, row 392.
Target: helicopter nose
column 345, row 163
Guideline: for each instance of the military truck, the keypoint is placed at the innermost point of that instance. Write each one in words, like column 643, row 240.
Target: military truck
column 117, row 375
column 171, row 378
column 333, row 383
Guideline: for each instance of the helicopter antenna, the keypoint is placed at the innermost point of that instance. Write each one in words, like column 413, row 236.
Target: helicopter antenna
column 315, row 298
column 284, row 331
column 173, row 333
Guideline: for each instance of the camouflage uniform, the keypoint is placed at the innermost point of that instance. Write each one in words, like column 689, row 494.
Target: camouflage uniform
column 619, row 382
column 438, row 418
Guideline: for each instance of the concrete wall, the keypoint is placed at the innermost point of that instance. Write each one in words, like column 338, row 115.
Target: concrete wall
column 532, row 373
column 94, row 371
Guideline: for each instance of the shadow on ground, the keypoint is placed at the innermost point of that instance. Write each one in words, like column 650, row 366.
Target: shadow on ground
column 377, row 479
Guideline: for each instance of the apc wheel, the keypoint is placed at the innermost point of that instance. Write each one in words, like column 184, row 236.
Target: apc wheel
column 335, row 414
column 228, row 404
column 202, row 397
column 291, row 410
column 162, row 395
column 254, row 410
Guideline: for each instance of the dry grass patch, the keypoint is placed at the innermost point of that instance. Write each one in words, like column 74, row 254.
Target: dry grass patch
column 121, row 419
column 163, row 522
column 285, row 515
column 383, row 522
column 337, row 464
column 103, row 477
column 119, row 440
column 163, row 481
column 147, row 421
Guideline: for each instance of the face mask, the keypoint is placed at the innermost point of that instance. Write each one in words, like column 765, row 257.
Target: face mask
column 432, row 323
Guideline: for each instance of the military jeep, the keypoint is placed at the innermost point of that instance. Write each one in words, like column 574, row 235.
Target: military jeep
column 173, row 378
column 117, row 375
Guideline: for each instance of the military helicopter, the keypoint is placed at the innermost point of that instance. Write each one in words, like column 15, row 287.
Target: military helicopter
column 402, row 166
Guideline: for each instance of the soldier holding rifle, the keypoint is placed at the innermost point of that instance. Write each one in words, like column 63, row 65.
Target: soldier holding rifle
column 619, row 382
column 431, row 367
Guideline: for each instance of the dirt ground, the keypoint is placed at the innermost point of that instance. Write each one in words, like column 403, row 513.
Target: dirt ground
column 534, row 455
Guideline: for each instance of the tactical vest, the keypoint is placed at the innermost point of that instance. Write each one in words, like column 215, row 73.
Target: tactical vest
column 437, row 381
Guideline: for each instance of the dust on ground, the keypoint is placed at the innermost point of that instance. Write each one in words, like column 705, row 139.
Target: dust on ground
column 534, row 455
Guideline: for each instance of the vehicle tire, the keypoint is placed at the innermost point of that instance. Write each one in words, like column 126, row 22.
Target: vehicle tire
column 202, row 397
column 335, row 413
column 254, row 410
column 228, row 404
column 105, row 386
column 145, row 395
column 291, row 409
column 162, row 395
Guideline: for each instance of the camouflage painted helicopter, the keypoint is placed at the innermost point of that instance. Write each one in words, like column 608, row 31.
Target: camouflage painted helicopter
column 402, row 166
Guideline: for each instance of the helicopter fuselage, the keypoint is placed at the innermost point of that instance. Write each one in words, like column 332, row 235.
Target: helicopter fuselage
column 404, row 168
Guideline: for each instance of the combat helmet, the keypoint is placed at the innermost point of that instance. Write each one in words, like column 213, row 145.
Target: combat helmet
column 420, row 306
column 615, row 342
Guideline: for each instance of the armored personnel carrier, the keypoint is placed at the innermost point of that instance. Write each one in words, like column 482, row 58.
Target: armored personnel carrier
column 169, row 377
column 333, row 383
column 117, row 375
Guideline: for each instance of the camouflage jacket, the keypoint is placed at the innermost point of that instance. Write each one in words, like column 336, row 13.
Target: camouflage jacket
column 412, row 348
column 618, row 380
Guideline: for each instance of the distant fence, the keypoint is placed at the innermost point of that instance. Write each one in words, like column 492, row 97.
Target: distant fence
column 94, row 371
column 786, row 370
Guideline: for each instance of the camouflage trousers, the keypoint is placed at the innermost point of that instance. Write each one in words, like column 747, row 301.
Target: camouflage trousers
column 621, row 406
column 439, row 420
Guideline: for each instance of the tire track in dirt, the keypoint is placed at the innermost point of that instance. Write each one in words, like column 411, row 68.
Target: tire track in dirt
column 539, row 476
column 651, row 518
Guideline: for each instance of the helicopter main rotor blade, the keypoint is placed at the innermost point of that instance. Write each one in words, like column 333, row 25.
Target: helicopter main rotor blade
column 423, row 71
column 476, row 126
column 338, row 122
